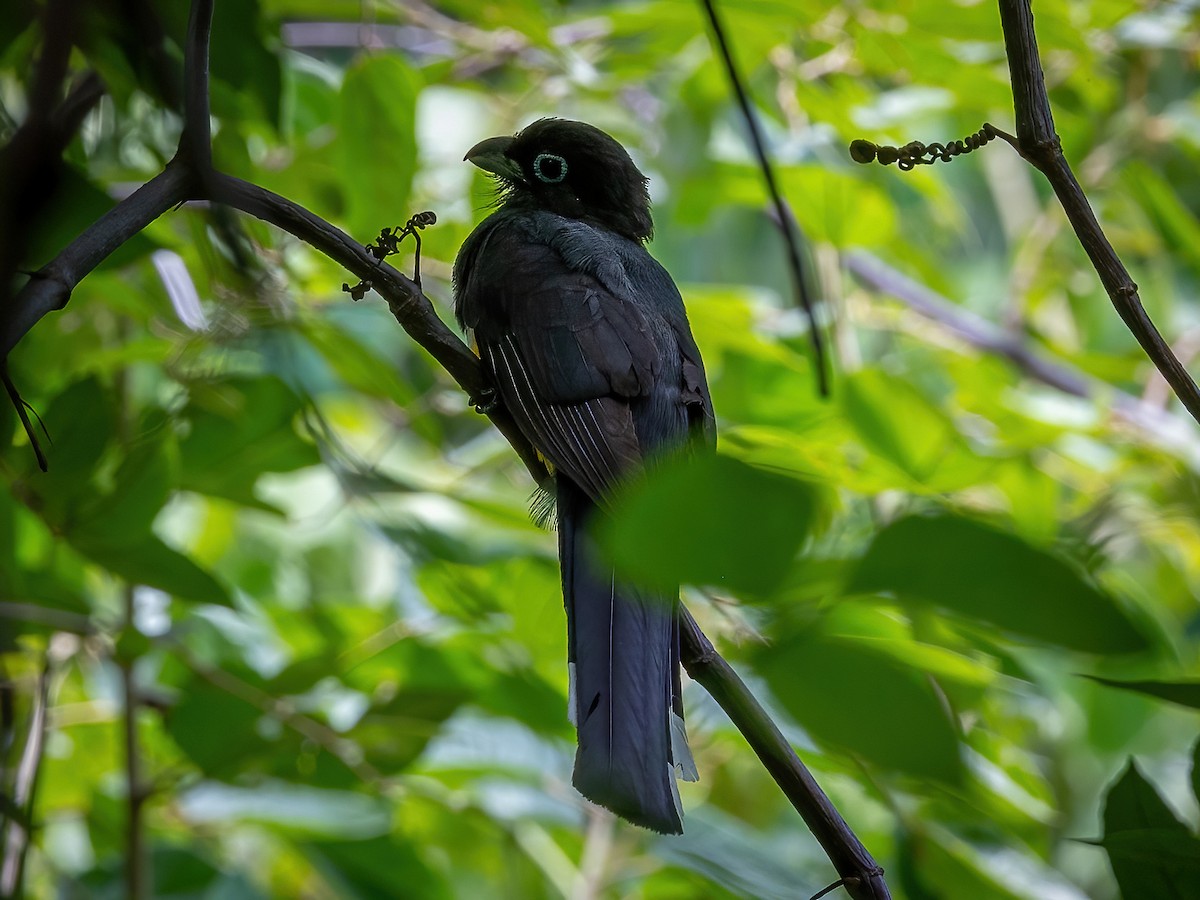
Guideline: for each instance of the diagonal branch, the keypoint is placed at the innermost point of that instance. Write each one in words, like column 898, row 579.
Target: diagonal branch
column 859, row 873
column 50, row 287
column 1039, row 144
column 408, row 304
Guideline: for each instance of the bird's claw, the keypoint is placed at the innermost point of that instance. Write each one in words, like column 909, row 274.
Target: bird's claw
column 485, row 401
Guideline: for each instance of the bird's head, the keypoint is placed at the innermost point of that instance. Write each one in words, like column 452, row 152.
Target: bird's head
column 572, row 169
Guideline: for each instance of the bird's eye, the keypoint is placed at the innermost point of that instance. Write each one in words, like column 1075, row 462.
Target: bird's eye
column 550, row 168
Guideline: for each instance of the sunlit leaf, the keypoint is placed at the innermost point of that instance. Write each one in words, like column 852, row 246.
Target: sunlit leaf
column 972, row 569
column 377, row 142
column 1185, row 693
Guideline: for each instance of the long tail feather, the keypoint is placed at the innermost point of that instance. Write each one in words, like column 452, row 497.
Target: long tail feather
column 623, row 646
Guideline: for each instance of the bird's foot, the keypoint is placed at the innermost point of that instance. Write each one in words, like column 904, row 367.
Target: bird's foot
column 486, row 401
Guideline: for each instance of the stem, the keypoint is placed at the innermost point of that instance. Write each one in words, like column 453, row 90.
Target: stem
column 16, row 834
column 787, row 221
column 1039, row 144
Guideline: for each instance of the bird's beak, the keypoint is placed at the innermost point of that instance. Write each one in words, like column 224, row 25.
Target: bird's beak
column 491, row 156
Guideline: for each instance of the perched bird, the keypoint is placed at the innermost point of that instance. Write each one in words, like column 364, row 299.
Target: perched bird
column 585, row 338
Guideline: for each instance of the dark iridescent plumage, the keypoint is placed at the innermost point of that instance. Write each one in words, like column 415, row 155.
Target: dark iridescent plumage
column 586, row 339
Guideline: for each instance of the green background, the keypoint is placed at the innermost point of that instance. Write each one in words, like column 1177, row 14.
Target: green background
column 349, row 635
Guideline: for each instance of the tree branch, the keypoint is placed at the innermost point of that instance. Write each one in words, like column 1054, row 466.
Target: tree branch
column 408, row 304
column 50, row 287
column 1039, row 144
column 196, row 140
column 860, row 874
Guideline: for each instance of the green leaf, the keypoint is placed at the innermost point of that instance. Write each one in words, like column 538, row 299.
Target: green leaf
column 216, row 749
column 973, row 569
column 377, row 142
column 245, row 65
column 865, row 703
column 1185, row 693
column 81, row 421
column 1161, row 847
column 1132, row 808
column 294, row 808
column 141, row 488
column 241, row 428
column 713, row 520
column 180, row 872
column 379, row 867
column 150, row 562
column 896, row 422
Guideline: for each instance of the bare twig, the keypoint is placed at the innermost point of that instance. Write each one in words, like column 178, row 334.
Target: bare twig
column 1038, row 143
column 786, row 220
column 20, row 405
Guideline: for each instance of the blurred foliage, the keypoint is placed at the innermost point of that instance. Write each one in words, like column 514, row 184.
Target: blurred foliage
column 347, row 631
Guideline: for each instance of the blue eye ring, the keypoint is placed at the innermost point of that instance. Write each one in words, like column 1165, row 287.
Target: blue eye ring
column 543, row 158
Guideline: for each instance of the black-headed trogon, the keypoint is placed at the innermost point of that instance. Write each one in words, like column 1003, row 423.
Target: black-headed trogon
column 585, row 338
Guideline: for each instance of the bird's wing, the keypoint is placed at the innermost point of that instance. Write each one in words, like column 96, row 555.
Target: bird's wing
column 566, row 353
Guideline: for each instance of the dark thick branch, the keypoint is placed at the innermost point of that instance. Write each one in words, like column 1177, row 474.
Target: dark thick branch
column 1039, row 144
column 860, row 874
column 50, row 287
column 196, row 140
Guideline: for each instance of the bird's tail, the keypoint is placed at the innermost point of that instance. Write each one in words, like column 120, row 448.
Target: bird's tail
column 623, row 647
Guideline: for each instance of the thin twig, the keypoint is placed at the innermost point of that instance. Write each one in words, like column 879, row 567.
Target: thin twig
column 1039, row 144
column 786, row 220
column 16, row 836
column 19, row 405
column 137, row 871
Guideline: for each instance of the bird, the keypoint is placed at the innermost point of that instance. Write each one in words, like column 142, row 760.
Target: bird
column 587, row 345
